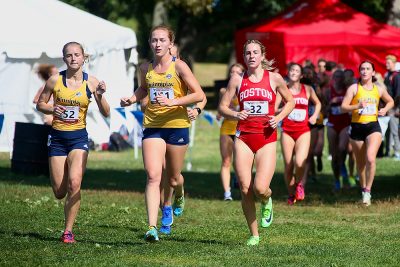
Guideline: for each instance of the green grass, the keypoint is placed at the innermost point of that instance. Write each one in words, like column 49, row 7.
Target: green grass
column 206, row 73
column 325, row 230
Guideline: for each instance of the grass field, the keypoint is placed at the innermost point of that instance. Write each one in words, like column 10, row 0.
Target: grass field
column 206, row 73
column 325, row 230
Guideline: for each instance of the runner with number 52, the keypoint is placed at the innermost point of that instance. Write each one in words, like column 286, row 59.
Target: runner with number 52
column 68, row 143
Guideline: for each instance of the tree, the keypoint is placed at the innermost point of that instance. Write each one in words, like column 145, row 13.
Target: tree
column 205, row 28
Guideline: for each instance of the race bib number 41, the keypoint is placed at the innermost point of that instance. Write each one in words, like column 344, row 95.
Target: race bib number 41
column 167, row 92
column 256, row 108
column 368, row 110
column 70, row 114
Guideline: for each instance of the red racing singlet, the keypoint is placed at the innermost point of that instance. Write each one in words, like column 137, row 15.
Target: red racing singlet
column 297, row 120
column 259, row 100
column 336, row 118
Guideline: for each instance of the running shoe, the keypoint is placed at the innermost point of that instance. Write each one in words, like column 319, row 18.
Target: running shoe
column 343, row 172
column 178, row 206
column 167, row 218
column 228, row 196
column 68, row 237
column 253, row 240
column 300, row 192
column 267, row 213
column 151, row 235
column 337, row 185
column 165, row 229
column 319, row 164
column 291, row 200
column 352, row 182
column 366, row 198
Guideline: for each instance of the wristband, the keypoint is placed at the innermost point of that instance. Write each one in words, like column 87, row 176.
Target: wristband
column 198, row 110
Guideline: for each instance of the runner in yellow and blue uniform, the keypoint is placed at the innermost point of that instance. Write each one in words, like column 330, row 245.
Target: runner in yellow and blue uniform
column 227, row 136
column 166, row 80
column 68, row 146
column 362, row 100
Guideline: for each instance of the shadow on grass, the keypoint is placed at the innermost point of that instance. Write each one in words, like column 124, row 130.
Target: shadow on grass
column 117, row 243
column 206, row 185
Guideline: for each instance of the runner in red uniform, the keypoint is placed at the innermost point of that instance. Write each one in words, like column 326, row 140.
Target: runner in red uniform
column 338, row 123
column 295, row 139
column 256, row 131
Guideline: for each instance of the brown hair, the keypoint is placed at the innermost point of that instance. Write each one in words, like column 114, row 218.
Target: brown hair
column 373, row 68
column 86, row 56
column 171, row 34
column 240, row 66
column 44, row 71
column 266, row 64
column 297, row 64
column 72, row 43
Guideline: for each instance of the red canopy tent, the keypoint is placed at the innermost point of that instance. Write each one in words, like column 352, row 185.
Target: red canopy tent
column 327, row 29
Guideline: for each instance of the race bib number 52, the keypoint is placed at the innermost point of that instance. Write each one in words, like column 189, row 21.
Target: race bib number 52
column 70, row 114
column 256, row 108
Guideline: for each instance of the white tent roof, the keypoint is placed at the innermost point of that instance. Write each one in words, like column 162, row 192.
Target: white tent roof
column 49, row 24
column 33, row 32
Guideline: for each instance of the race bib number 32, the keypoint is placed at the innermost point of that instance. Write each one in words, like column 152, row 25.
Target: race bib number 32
column 70, row 114
column 167, row 92
column 256, row 108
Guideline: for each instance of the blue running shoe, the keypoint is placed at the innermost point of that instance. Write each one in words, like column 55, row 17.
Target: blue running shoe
column 166, row 230
column 178, row 206
column 343, row 172
column 337, row 186
column 151, row 235
column 167, row 219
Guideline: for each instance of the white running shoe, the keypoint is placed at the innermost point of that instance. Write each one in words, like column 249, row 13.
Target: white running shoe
column 366, row 198
column 228, row 196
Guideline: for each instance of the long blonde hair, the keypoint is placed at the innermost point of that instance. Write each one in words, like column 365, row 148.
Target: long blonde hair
column 265, row 64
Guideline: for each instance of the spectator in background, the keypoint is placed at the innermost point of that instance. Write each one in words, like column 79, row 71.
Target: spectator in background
column 331, row 67
column 383, row 120
column 317, row 130
column 392, row 82
column 45, row 71
column 323, row 78
column 308, row 63
column 321, row 65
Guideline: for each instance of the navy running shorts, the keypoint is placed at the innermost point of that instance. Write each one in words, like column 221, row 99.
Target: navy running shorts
column 60, row 143
column 171, row 136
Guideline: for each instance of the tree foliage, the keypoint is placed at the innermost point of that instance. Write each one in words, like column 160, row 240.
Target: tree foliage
column 205, row 28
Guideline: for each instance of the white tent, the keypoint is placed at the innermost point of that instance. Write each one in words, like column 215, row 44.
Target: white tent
column 34, row 32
